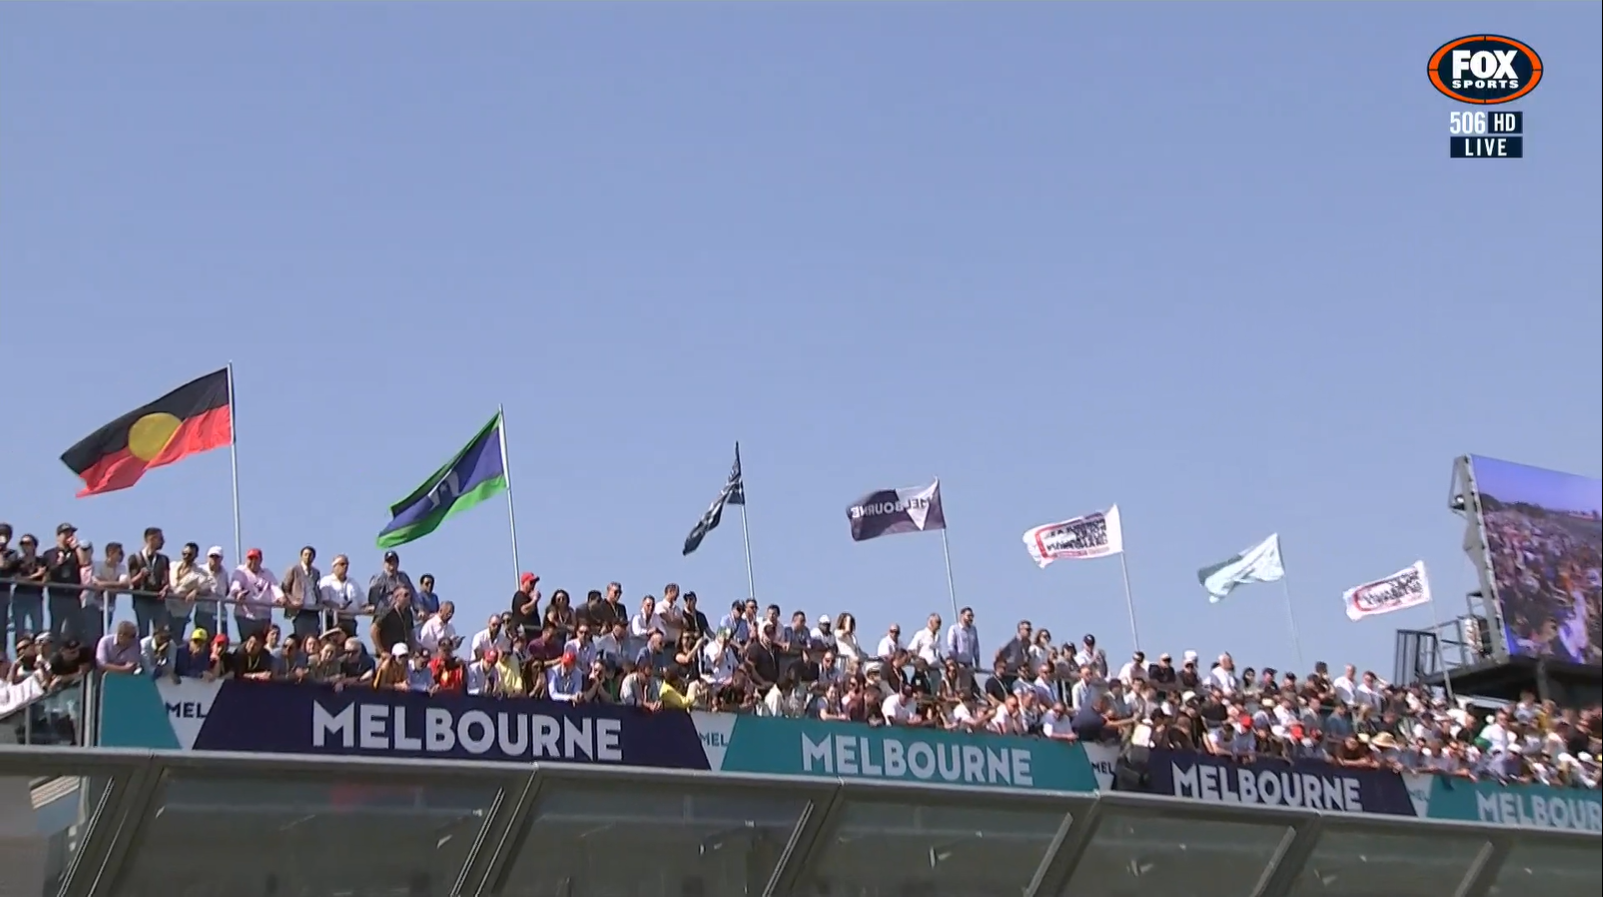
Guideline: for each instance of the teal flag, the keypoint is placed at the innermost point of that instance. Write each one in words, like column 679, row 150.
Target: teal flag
column 1260, row 563
column 476, row 473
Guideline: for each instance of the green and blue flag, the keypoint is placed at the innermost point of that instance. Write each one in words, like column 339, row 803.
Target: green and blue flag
column 476, row 473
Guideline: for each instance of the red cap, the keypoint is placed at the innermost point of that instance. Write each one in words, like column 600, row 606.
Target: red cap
column 569, row 657
column 254, row 553
column 528, row 579
column 491, row 655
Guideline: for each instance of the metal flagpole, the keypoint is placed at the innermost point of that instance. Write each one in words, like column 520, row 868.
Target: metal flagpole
column 233, row 464
column 1129, row 603
column 751, row 584
column 951, row 588
column 506, row 471
column 1291, row 616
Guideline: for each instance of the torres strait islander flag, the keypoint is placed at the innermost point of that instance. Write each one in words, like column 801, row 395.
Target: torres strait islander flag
column 193, row 418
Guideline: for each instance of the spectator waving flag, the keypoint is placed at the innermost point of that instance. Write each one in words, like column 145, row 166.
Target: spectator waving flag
column 733, row 493
column 476, row 473
column 1260, row 563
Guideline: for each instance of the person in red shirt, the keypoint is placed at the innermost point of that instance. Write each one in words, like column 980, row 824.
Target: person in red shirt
column 449, row 672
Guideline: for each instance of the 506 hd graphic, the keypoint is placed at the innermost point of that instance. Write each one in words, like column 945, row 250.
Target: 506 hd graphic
column 1485, row 70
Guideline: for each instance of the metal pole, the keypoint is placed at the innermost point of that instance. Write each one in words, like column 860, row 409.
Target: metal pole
column 1436, row 626
column 745, row 532
column 1291, row 616
column 1129, row 602
column 506, row 471
column 233, row 464
column 951, row 588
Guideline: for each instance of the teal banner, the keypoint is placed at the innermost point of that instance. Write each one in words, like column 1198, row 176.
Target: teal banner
column 1517, row 806
column 778, row 746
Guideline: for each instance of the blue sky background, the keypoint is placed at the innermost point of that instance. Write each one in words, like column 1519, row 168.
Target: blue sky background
column 1209, row 262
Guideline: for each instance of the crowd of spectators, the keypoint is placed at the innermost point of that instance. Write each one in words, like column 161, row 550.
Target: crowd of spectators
column 1549, row 581
column 667, row 653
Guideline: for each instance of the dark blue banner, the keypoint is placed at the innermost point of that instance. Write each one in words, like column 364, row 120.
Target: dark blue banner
column 267, row 717
column 1275, row 783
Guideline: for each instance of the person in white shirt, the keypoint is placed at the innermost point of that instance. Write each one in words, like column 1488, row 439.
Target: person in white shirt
column 340, row 598
column 1058, row 723
column 1344, row 684
column 824, row 632
column 494, row 636
column 254, row 591
column 209, row 597
column 1370, row 691
column 926, row 642
column 1134, row 671
column 719, row 660
column 1223, row 675
column 901, row 708
column 437, row 629
column 670, row 614
column 100, row 604
column 643, row 624
column 185, row 581
column 890, row 645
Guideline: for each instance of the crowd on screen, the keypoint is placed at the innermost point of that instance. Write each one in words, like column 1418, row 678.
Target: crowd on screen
column 669, row 653
column 1550, row 582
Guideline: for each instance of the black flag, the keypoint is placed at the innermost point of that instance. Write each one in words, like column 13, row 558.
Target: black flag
column 733, row 493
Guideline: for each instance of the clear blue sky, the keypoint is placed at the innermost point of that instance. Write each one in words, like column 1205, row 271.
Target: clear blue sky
column 1211, row 263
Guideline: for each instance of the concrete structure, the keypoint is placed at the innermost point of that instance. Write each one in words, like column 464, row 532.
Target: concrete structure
column 113, row 823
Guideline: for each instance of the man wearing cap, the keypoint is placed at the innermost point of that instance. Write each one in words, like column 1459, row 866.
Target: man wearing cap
column 194, row 660
column 62, row 568
column 384, row 583
column 254, row 591
column 208, row 598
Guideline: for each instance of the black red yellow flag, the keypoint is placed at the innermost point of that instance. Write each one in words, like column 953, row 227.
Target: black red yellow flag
column 193, row 418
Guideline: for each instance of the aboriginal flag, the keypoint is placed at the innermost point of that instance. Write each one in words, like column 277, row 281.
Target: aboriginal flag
column 193, row 418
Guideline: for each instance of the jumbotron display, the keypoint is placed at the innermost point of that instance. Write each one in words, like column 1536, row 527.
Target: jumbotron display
column 1544, row 539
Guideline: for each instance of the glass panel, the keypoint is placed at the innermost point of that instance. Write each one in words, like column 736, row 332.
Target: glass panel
column 53, row 718
column 1550, row 870
column 43, row 822
column 1354, row 863
column 901, row 850
column 1137, row 854
column 640, row 840
column 217, row 836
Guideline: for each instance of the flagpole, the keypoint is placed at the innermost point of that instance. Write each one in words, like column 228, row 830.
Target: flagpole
column 951, row 588
column 506, row 471
column 1291, row 616
column 233, row 466
column 745, row 532
column 1129, row 602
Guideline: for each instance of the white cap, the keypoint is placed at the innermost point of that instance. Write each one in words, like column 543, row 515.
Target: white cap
column 216, row 551
column 400, row 650
column 1190, row 656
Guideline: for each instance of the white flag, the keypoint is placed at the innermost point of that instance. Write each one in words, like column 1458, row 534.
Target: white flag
column 1260, row 563
column 1096, row 535
column 1407, row 587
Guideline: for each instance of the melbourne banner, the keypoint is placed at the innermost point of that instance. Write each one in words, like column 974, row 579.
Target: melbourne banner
column 1515, row 806
column 276, row 718
column 1272, row 783
column 273, row 718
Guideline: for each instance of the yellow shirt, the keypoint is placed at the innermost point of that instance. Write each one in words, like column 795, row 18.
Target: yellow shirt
column 511, row 675
column 673, row 699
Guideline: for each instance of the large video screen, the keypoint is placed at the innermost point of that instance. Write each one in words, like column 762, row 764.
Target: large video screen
column 1544, row 535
